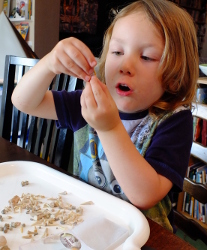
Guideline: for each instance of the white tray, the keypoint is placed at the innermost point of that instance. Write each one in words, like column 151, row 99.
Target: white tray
column 49, row 182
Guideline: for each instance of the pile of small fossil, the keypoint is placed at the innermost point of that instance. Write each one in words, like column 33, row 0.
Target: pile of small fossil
column 53, row 212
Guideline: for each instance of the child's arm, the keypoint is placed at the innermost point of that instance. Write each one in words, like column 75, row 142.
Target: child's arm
column 129, row 167
column 69, row 56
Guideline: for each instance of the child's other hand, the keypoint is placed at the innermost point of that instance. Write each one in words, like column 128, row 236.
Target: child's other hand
column 98, row 107
column 71, row 56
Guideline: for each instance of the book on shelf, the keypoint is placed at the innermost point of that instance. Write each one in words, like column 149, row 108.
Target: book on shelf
column 29, row 9
column 6, row 7
column 23, row 28
column 200, row 130
column 197, row 128
column 192, row 201
column 204, row 133
column 204, row 176
column 20, row 10
column 200, row 211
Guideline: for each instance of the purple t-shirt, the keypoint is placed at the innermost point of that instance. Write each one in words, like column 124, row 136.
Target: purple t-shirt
column 170, row 147
column 168, row 152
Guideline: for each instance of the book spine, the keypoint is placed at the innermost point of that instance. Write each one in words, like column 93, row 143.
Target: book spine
column 187, row 203
column 201, row 207
column 6, row 7
column 192, row 202
column 204, row 133
column 26, row 10
column 195, row 209
column 206, row 213
column 198, row 129
column 29, row 9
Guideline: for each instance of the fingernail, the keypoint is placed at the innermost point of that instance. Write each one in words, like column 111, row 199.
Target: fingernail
column 91, row 71
column 93, row 64
column 87, row 78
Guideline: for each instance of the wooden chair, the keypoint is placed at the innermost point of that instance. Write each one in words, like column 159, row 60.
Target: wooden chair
column 37, row 135
column 188, row 225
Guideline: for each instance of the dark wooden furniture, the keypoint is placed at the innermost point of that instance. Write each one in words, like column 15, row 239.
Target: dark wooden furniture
column 14, row 69
column 193, row 227
column 189, row 226
column 160, row 238
column 37, row 135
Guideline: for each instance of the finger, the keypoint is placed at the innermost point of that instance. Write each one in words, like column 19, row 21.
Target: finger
column 86, row 52
column 89, row 99
column 80, row 56
column 73, row 55
column 82, row 101
column 59, row 68
column 76, row 62
column 70, row 67
column 99, row 91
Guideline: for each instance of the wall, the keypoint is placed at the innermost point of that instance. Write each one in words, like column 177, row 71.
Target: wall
column 9, row 43
column 46, row 26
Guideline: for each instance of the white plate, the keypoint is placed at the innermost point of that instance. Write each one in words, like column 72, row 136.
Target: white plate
column 49, row 182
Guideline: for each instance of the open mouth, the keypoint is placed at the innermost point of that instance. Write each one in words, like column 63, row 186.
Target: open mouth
column 123, row 87
column 123, row 90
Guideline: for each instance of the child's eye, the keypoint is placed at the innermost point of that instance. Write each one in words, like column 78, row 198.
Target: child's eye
column 146, row 58
column 116, row 53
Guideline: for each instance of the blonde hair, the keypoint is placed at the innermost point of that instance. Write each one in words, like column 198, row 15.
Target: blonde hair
column 178, row 69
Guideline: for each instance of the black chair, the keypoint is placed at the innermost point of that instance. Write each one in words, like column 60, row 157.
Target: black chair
column 37, row 135
column 186, row 223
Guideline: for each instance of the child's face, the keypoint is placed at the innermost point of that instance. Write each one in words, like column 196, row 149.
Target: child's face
column 131, row 69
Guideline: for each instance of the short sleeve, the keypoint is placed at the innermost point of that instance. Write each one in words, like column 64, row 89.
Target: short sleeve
column 170, row 147
column 68, row 109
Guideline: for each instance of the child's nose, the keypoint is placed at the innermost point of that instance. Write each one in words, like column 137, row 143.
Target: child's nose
column 126, row 67
column 125, row 72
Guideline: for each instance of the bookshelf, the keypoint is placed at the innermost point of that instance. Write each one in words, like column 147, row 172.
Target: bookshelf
column 200, row 110
column 184, row 203
column 198, row 153
column 43, row 25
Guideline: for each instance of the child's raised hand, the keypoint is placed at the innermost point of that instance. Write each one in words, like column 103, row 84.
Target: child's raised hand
column 98, row 107
column 71, row 56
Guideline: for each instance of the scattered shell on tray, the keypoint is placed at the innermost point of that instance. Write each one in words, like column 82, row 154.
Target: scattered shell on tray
column 53, row 212
column 24, row 183
column 3, row 243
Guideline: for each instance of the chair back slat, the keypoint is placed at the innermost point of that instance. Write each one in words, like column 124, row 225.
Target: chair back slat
column 55, row 134
column 60, row 141
column 24, row 119
column 41, row 129
column 6, row 106
column 32, row 134
column 47, row 140
column 15, row 125
column 37, row 135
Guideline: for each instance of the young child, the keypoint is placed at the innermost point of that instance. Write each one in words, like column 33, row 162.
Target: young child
column 133, row 130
